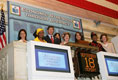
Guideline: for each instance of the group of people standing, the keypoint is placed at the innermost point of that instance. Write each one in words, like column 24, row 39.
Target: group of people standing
column 105, row 45
column 56, row 38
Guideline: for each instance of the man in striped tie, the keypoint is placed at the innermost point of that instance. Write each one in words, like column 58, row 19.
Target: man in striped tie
column 2, row 30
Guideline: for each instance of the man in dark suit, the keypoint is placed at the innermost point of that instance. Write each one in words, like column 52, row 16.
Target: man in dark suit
column 50, row 38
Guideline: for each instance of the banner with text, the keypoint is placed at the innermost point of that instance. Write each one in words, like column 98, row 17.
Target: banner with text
column 30, row 18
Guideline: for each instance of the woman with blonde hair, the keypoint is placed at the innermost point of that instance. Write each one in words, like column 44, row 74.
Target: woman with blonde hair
column 108, row 46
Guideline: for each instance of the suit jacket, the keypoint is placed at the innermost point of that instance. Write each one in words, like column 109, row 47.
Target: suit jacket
column 47, row 38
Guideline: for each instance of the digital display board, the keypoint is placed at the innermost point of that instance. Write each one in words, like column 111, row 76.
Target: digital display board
column 87, row 65
column 88, row 62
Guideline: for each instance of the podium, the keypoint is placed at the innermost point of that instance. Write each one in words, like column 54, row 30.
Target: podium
column 13, row 62
column 13, row 59
column 108, row 64
column 21, row 61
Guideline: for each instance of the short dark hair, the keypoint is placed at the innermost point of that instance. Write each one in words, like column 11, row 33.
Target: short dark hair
column 20, row 32
column 58, row 40
column 50, row 27
column 102, row 36
column 56, row 34
column 93, row 34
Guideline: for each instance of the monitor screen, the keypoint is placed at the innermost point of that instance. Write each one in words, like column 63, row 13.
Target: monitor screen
column 51, row 59
column 112, row 65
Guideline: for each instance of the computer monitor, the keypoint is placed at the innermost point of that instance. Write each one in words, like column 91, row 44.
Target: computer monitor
column 108, row 63
column 49, row 61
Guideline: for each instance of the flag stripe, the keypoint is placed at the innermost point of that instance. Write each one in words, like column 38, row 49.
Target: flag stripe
column 0, row 46
column 2, row 30
column 92, row 7
column 105, row 3
column 4, row 37
column 1, row 42
column 113, row 1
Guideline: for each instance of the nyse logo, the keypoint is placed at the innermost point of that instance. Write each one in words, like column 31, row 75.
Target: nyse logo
column 15, row 10
column 104, row 7
column 77, row 24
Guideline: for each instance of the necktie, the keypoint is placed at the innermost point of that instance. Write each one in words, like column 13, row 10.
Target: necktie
column 52, row 39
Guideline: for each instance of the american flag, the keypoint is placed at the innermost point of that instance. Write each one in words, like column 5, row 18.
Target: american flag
column 2, row 30
column 104, row 7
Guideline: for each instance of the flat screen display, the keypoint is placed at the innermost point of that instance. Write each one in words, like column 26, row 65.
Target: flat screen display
column 51, row 59
column 112, row 65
